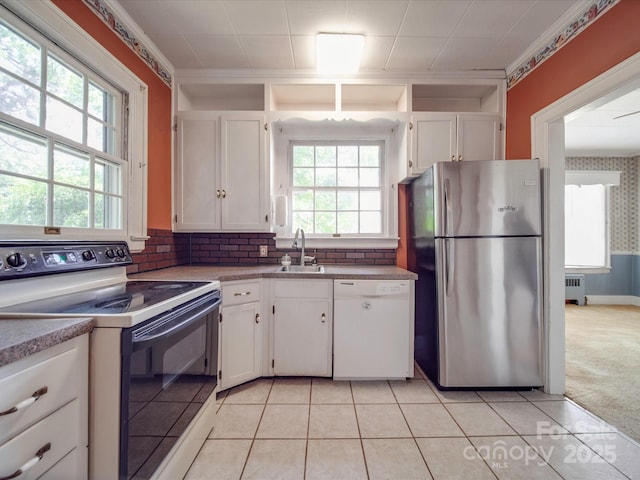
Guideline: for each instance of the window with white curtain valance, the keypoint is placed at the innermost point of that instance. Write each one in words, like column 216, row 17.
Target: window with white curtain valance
column 587, row 219
column 592, row 178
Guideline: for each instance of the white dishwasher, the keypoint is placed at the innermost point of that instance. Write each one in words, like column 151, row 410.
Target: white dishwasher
column 372, row 329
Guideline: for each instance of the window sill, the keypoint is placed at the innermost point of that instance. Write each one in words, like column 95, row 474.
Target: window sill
column 587, row 270
column 285, row 242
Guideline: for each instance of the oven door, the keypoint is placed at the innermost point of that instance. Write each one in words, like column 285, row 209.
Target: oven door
column 166, row 363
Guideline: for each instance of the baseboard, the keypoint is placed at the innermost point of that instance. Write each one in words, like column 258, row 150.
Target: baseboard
column 613, row 300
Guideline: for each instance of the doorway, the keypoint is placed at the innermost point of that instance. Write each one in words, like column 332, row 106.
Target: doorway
column 548, row 140
column 601, row 225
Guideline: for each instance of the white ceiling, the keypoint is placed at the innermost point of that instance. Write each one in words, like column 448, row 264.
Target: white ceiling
column 608, row 127
column 402, row 36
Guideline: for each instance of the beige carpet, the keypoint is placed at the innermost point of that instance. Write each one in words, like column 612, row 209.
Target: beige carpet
column 603, row 363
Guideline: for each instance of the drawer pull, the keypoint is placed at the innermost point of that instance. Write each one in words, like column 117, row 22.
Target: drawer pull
column 241, row 294
column 323, row 317
column 29, row 464
column 25, row 403
column 257, row 318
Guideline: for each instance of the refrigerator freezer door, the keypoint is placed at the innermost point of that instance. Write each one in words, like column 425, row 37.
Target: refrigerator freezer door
column 489, row 327
column 487, row 198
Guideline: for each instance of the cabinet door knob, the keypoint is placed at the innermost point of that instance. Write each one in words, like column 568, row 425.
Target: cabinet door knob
column 257, row 318
column 218, row 193
column 459, row 157
column 323, row 317
column 224, row 194
column 453, row 158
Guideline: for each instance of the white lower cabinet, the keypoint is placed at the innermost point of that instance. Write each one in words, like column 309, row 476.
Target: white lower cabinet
column 46, row 437
column 240, row 334
column 372, row 336
column 302, row 327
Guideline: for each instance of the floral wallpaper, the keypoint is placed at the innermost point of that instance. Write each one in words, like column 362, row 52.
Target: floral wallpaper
column 623, row 207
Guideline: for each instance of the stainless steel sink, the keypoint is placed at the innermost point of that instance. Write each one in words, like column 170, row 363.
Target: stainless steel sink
column 301, row 269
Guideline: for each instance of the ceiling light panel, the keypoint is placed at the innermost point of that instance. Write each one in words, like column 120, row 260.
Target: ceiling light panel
column 338, row 53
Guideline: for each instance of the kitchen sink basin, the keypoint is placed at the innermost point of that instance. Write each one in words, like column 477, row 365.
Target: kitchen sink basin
column 301, row 269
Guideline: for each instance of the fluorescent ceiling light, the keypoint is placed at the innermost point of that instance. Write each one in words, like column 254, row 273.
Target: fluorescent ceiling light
column 338, row 53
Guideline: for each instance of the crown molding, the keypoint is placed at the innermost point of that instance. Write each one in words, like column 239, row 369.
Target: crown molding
column 252, row 74
column 120, row 22
column 565, row 29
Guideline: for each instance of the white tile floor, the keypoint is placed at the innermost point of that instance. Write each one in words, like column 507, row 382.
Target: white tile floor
column 308, row 429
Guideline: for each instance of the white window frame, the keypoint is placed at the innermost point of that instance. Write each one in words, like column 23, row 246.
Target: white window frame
column 48, row 19
column 337, row 188
column 607, row 180
column 297, row 130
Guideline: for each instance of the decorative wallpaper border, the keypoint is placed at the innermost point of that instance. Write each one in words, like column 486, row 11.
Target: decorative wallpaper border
column 576, row 26
column 107, row 16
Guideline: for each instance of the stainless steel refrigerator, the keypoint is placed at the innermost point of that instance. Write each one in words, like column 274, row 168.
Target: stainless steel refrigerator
column 476, row 246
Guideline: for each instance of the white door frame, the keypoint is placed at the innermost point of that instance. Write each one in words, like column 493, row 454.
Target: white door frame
column 547, row 144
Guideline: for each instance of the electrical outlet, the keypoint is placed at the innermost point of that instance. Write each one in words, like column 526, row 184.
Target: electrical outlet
column 263, row 250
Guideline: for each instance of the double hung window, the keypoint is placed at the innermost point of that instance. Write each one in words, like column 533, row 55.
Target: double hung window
column 337, row 188
column 62, row 138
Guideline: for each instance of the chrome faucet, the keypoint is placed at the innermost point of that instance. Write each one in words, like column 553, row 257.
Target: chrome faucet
column 303, row 258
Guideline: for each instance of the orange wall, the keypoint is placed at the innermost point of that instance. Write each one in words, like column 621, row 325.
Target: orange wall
column 402, row 253
column 602, row 45
column 159, row 121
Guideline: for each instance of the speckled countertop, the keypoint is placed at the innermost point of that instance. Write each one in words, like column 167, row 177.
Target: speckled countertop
column 22, row 337
column 223, row 273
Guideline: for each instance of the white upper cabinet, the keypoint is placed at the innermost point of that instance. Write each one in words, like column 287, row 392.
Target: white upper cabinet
column 455, row 121
column 433, row 138
column 244, row 182
column 446, row 136
column 433, row 120
column 196, row 173
column 479, row 137
column 221, row 180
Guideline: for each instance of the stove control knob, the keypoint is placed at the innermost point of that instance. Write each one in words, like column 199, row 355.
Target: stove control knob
column 121, row 253
column 110, row 253
column 16, row 260
column 88, row 255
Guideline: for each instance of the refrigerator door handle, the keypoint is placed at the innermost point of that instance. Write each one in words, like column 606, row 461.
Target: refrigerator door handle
column 448, row 264
column 445, row 222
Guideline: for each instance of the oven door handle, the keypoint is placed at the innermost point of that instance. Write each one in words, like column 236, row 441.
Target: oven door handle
column 144, row 341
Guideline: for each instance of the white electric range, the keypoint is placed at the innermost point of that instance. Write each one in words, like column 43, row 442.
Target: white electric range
column 153, row 353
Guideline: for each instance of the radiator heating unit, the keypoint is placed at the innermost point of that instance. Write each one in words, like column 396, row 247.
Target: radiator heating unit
column 574, row 289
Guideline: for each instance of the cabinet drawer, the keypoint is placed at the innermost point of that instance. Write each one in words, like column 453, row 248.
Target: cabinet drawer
column 58, row 375
column 238, row 293
column 60, row 430
column 303, row 288
column 68, row 467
